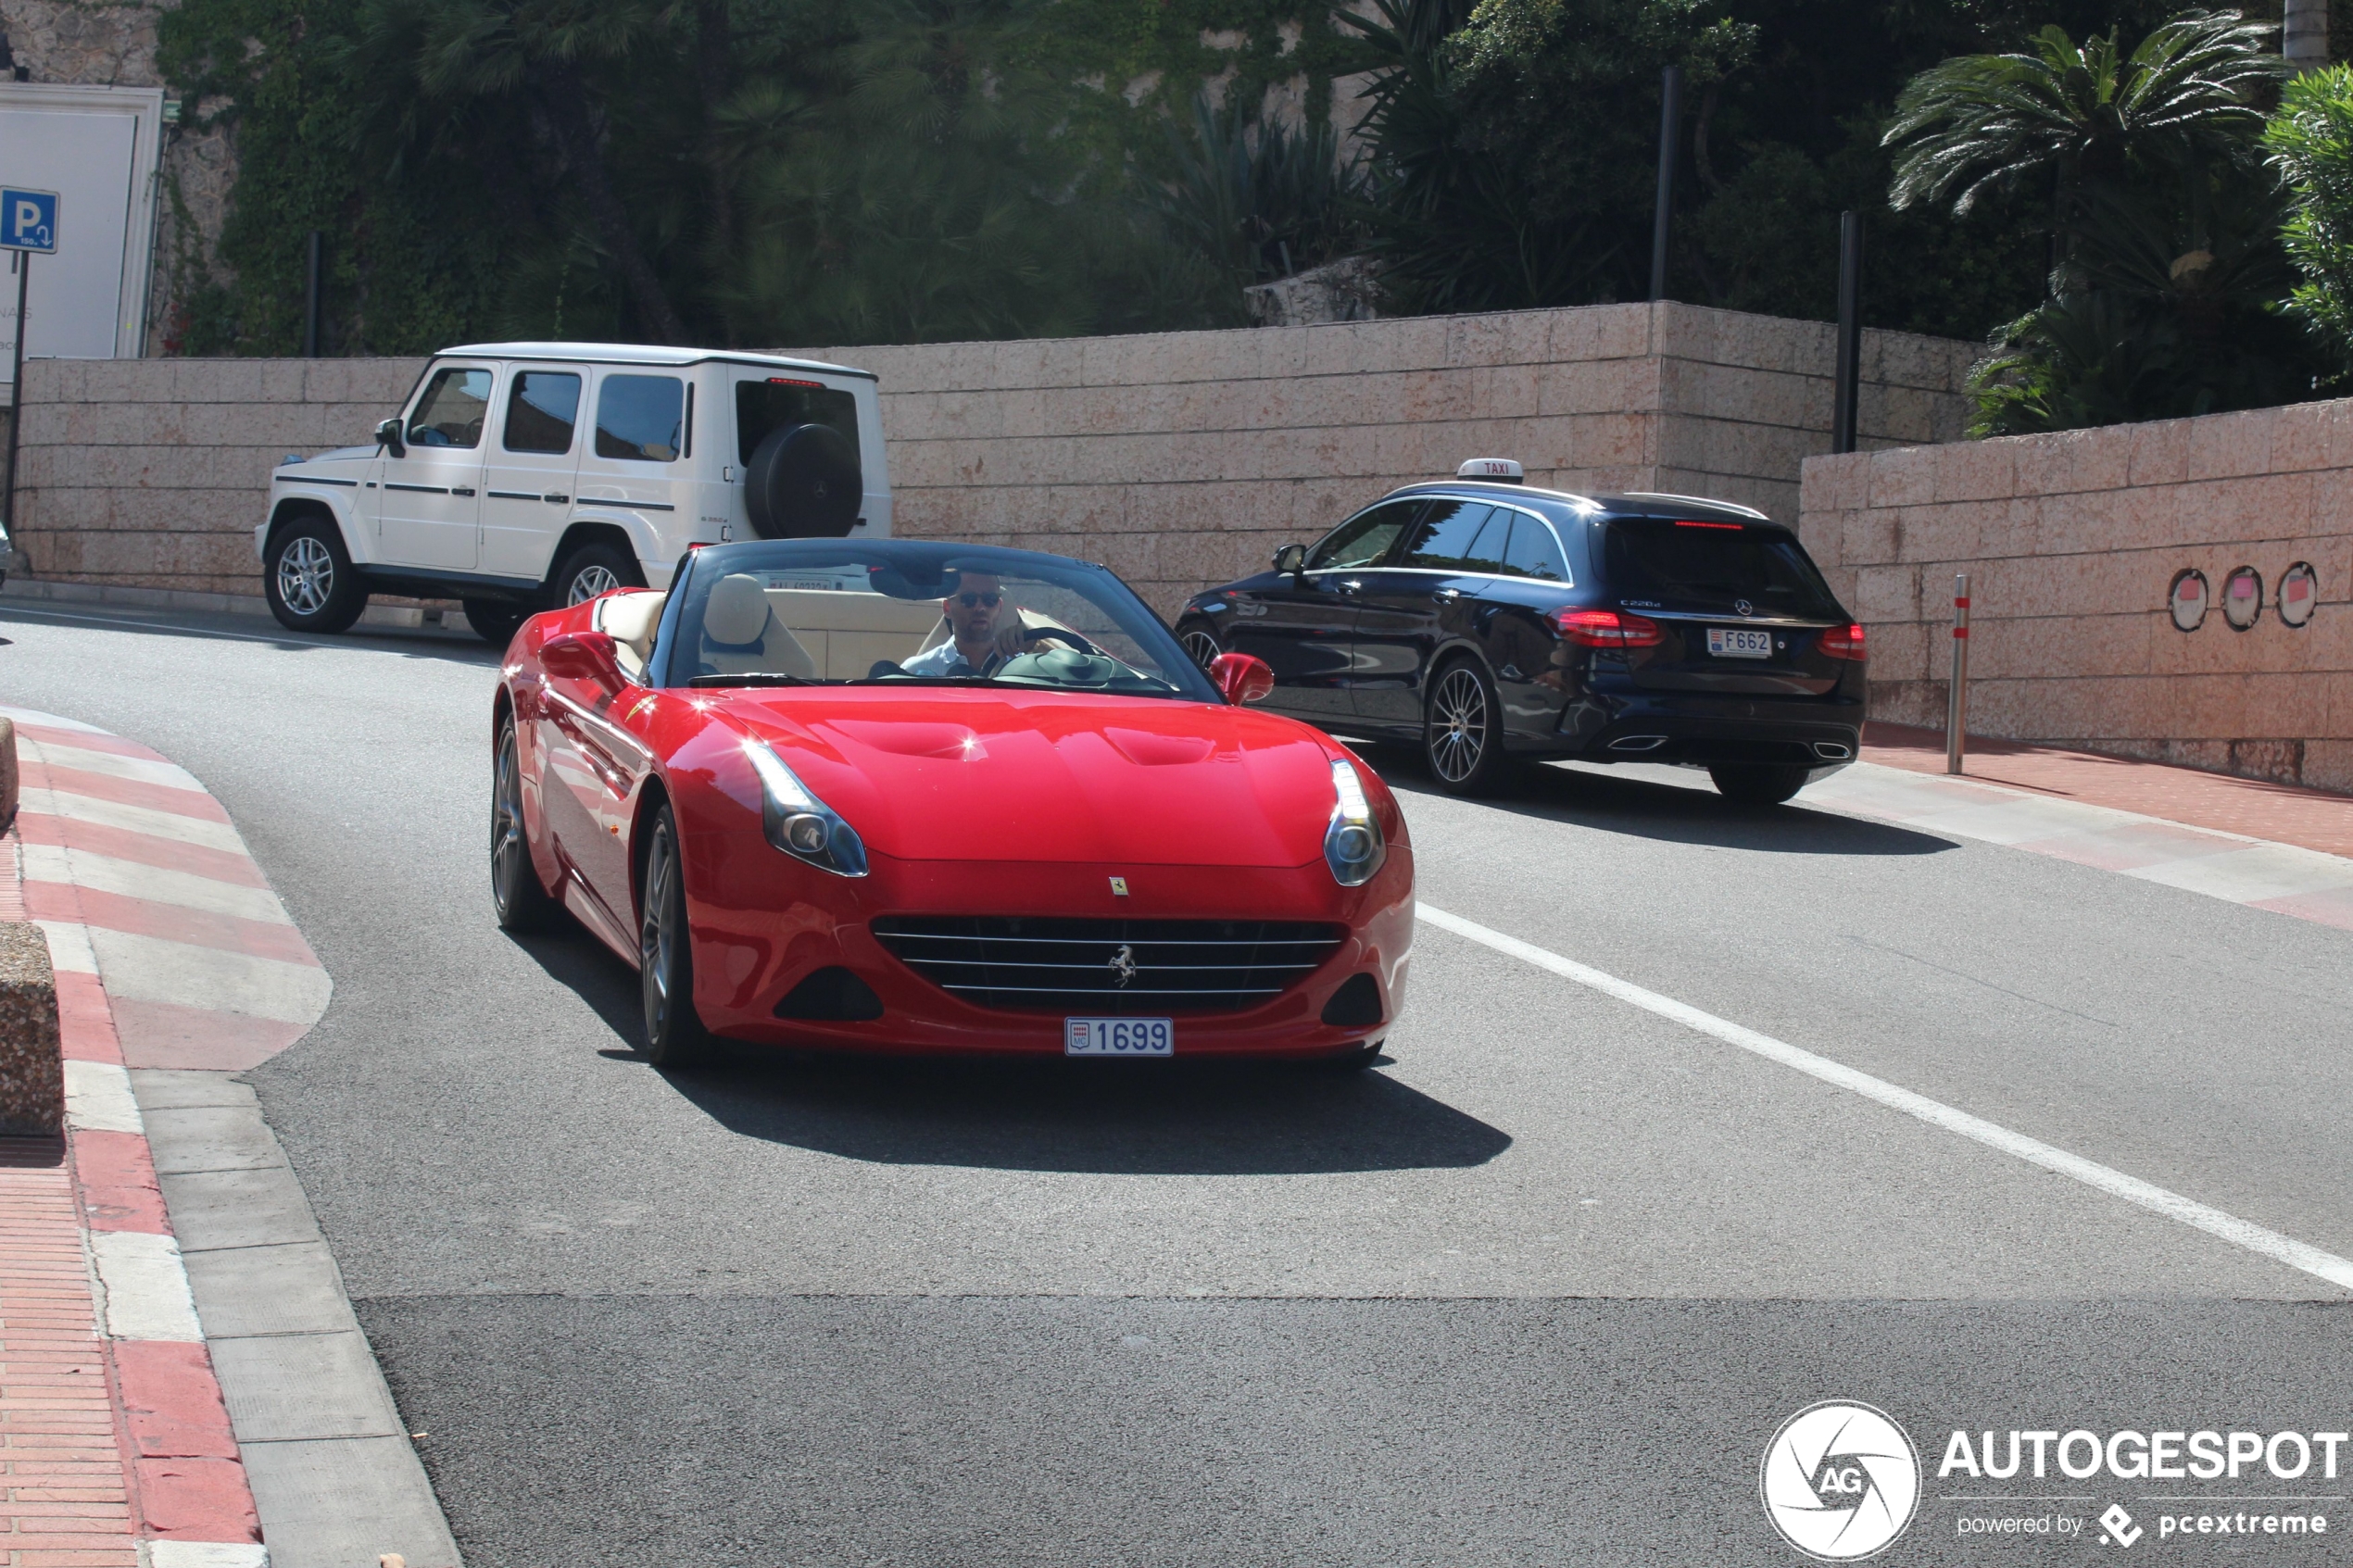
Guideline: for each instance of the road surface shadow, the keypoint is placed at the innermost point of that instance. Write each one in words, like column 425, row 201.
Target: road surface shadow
column 1125, row 1118
column 1644, row 808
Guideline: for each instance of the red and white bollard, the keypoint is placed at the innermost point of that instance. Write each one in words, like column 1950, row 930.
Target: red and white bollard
column 1957, row 696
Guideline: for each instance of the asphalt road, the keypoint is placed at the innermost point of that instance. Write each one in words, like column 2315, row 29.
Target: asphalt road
column 1538, row 1290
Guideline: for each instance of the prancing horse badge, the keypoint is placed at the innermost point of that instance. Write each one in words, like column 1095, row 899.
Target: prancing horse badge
column 1119, row 888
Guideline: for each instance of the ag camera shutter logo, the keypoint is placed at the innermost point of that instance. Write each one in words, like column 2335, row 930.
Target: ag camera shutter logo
column 1840, row 1481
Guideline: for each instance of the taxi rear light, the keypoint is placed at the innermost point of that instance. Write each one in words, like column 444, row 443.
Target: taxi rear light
column 1842, row 642
column 1607, row 629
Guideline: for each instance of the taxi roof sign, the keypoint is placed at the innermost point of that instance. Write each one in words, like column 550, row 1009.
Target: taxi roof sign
column 1498, row 470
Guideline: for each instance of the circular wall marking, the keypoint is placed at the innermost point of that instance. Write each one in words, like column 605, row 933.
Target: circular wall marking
column 2299, row 594
column 2188, row 598
column 2243, row 598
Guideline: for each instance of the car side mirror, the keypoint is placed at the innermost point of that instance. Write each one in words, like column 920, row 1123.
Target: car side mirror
column 582, row 656
column 388, row 436
column 1242, row 677
column 1291, row 559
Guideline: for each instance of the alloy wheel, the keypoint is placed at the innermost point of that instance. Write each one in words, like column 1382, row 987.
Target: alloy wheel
column 1202, row 647
column 306, row 575
column 590, row 581
column 657, row 944
column 510, row 854
column 1457, row 725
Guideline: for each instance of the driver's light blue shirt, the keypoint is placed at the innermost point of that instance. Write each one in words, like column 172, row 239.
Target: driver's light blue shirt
column 945, row 661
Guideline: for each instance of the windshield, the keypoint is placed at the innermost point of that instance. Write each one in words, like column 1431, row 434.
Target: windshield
column 901, row 613
column 1712, row 566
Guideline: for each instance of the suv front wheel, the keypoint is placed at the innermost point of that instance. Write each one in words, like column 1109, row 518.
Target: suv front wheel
column 307, row 577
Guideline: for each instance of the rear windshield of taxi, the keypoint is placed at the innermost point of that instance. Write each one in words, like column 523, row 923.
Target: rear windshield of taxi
column 1691, row 564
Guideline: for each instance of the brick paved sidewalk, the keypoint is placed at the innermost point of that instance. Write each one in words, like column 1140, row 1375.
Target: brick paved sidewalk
column 2310, row 819
column 61, row 1464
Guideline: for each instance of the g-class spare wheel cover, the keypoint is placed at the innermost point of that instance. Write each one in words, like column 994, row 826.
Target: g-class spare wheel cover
column 803, row 482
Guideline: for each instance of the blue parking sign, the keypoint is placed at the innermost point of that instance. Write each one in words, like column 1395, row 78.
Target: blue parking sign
column 28, row 219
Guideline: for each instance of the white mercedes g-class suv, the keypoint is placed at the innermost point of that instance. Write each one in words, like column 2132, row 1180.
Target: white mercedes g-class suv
column 521, row 476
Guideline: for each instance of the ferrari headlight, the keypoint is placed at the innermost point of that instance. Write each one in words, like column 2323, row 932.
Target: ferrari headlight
column 1352, row 844
column 800, row 824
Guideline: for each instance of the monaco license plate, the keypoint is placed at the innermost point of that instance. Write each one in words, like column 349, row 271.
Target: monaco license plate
column 1119, row 1036
column 1732, row 642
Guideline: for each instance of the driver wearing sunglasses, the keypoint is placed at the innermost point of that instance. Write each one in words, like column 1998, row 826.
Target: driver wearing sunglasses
column 976, row 643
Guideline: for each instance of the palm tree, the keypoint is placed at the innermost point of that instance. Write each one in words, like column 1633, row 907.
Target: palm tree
column 2304, row 34
column 2084, row 113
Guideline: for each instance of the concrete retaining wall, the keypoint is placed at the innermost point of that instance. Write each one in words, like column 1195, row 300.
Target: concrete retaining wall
column 1177, row 459
column 2072, row 541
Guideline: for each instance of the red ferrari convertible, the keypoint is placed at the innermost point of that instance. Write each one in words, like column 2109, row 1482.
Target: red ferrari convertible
column 912, row 796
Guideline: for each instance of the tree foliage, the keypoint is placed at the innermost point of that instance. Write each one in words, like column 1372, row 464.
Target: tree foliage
column 2310, row 144
column 2166, row 267
column 754, row 171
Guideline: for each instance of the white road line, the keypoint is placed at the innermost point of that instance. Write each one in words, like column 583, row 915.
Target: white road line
column 145, row 1285
column 2115, row 1184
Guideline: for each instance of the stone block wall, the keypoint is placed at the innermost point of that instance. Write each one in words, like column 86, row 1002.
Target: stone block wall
column 2072, row 542
column 1181, row 460
column 1178, row 459
column 151, row 473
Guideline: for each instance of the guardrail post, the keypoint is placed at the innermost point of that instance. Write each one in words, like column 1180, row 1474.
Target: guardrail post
column 1956, row 694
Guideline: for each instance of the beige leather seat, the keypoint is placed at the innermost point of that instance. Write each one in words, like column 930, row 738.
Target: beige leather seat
column 742, row 636
column 630, row 619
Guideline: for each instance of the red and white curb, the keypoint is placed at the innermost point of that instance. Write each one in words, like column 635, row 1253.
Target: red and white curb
column 137, row 875
column 2282, row 878
column 170, row 950
column 182, row 1501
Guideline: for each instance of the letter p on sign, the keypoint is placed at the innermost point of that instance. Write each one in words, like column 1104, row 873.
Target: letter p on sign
column 28, row 219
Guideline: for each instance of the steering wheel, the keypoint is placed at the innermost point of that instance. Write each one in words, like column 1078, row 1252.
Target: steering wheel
column 1061, row 635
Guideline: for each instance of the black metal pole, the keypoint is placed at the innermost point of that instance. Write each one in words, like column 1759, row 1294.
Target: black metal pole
column 311, row 298
column 1670, row 124
column 1850, row 331
column 16, row 403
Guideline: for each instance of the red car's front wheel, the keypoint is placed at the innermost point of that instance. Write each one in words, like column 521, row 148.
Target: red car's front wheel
column 516, row 894
column 674, row 1032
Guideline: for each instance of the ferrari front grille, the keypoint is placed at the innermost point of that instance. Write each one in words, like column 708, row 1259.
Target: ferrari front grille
column 1109, row 967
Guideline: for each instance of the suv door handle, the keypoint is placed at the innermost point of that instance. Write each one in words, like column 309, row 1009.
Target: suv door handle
column 1447, row 596
column 1352, row 584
